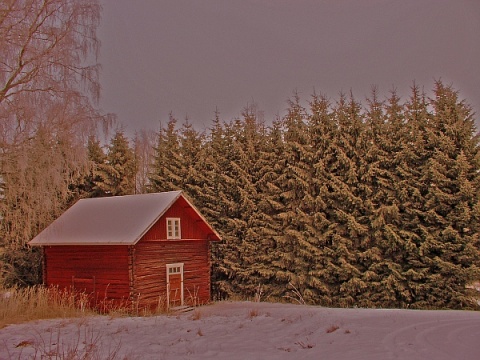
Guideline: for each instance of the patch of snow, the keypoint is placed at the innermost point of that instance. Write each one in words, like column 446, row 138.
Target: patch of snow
column 250, row 330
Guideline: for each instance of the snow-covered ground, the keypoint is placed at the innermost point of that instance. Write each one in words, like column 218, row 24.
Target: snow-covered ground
column 248, row 330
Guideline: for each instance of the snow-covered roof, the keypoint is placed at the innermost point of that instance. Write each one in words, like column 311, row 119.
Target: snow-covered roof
column 117, row 220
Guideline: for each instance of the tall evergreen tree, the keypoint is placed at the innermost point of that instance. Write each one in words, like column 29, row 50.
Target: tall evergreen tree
column 382, row 259
column 118, row 172
column 228, row 255
column 167, row 164
column 268, row 186
column 191, row 143
column 296, row 242
column 448, row 250
column 213, row 164
column 410, row 194
column 254, row 248
column 346, row 209
column 322, row 130
column 96, row 158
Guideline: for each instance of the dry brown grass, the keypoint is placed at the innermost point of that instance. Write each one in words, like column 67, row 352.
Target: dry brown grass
column 332, row 328
column 253, row 313
column 133, row 308
column 305, row 344
column 197, row 314
column 19, row 305
column 87, row 344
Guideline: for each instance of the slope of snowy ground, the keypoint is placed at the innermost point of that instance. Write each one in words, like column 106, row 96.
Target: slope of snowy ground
column 247, row 330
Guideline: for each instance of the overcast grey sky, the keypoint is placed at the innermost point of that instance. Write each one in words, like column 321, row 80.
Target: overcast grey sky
column 190, row 56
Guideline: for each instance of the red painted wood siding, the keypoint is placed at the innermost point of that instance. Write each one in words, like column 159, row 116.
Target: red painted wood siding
column 123, row 272
column 192, row 226
column 151, row 258
column 109, row 265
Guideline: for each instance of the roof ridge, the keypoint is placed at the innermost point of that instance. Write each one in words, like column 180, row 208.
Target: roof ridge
column 120, row 220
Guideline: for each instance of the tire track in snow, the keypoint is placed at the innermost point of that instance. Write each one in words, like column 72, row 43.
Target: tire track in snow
column 434, row 339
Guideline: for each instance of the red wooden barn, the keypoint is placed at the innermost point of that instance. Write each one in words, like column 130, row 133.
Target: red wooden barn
column 141, row 248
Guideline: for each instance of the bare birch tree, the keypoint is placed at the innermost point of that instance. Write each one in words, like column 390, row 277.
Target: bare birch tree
column 144, row 146
column 49, row 90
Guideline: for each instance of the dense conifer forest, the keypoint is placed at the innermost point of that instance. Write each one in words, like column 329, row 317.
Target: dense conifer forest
column 372, row 205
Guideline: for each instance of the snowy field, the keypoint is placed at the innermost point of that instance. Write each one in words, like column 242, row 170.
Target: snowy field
column 248, row 330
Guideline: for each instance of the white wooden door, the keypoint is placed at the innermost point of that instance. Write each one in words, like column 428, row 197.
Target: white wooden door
column 174, row 285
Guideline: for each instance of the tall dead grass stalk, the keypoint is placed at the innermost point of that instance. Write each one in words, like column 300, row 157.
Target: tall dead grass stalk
column 19, row 305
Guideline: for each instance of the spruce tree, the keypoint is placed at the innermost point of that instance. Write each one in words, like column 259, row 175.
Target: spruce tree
column 347, row 233
column 296, row 243
column 270, row 206
column 193, row 169
column 212, row 162
column 96, row 158
column 167, row 165
column 322, row 130
column 382, row 259
column 217, row 204
column 238, row 208
column 410, row 193
column 255, row 247
column 448, row 250
column 117, row 174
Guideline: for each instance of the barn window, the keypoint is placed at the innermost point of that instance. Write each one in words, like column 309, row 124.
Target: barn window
column 174, row 270
column 173, row 228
